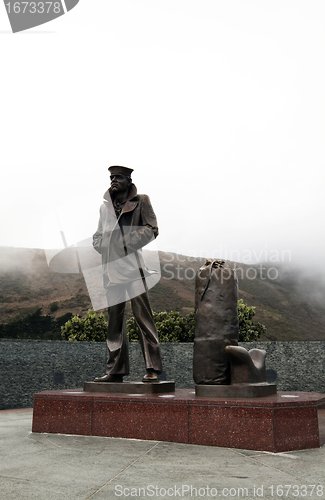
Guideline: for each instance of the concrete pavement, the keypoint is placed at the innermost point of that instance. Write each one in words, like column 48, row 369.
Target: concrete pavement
column 53, row 467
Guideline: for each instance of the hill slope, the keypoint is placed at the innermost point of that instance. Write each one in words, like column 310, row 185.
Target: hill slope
column 291, row 306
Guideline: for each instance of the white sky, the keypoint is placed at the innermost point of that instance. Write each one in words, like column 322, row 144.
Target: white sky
column 218, row 105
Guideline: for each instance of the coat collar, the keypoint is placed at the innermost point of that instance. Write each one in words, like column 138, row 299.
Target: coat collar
column 131, row 202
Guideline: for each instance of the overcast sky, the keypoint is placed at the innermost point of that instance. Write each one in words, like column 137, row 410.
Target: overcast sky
column 219, row 106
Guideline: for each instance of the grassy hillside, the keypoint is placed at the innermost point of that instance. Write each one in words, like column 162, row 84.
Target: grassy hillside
column 292, row 306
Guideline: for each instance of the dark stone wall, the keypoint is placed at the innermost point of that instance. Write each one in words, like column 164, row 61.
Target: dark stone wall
column 29, row 366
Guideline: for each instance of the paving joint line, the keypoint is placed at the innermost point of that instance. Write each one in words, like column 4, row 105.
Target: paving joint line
column 126, row 468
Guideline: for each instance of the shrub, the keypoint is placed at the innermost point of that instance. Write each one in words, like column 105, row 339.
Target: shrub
column 92, row 328
column 32, row 325
column 171, row 326
column 248, row 330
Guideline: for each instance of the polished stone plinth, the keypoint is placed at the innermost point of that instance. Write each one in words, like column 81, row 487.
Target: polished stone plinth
column 159, row 387
column 278, row 423
column 259, row 390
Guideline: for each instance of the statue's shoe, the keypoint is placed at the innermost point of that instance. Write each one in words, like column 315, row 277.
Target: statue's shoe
column 150, row 376
column 109, row 377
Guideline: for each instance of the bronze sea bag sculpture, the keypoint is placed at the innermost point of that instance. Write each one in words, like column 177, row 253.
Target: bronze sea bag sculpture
column 216, row 324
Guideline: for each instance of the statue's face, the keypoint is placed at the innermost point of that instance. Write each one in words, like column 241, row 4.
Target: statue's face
column 119, row 183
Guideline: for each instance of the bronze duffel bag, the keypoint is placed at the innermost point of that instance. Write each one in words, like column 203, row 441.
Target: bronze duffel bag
column 216, row 322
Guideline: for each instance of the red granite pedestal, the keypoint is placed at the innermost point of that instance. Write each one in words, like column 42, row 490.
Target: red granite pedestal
column 277, row 423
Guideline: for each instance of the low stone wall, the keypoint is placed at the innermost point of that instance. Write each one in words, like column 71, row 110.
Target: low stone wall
column 29, row 366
